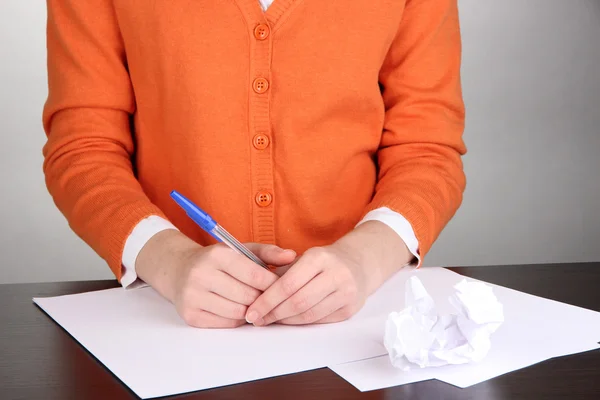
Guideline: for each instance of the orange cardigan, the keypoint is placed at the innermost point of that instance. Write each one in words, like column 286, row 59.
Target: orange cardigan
column 287, row 126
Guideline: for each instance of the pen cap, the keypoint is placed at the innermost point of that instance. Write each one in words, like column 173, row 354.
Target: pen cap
column 194, row 212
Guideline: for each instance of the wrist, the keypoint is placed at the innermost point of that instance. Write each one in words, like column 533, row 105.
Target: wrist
column 160, row 260
column 378, row 249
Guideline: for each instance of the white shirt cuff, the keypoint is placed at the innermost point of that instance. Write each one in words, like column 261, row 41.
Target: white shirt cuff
column 140, row 235
column 400, row 225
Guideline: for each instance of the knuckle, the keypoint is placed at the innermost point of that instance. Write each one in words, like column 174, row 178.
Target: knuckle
column 299, row 304
column 263, row 249
column 308, row 316
column 278, row 313
column 239, row 311
column 248, row 296
column 237, row 323
column 256, row 277
column 274, row 315
column 288, row 287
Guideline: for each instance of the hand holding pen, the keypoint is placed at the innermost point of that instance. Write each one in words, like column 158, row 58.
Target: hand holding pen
column 209, row 225
column 212, row 286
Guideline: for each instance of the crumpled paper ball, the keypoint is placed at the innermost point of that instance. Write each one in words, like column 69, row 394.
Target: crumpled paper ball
column 417, row 337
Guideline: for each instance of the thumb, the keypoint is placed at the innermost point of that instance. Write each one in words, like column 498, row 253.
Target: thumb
column 271, row 254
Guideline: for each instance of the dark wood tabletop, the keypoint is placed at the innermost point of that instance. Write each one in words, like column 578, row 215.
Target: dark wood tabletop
column 39, row 360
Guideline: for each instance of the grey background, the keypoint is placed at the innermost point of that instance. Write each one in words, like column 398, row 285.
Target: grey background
column 531, row 76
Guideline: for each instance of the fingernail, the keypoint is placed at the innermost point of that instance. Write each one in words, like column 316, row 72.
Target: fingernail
column 251, row 317
column 289, row 251
column 259, row 322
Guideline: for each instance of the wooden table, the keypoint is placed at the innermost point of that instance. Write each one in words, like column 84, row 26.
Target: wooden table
column 39, row 360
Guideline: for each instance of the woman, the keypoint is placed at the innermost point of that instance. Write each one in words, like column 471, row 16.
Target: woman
column 330, row 129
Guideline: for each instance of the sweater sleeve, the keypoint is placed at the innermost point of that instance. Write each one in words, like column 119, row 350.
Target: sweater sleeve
column 420, row 172
column 87, row 156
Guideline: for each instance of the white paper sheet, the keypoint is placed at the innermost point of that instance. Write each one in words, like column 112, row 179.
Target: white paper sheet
column 534, row 330
column 139, row 337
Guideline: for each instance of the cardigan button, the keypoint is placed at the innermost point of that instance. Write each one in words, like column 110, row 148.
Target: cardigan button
column 264, row 199
column 261, row 32
column 260, row 141
column 260, row 85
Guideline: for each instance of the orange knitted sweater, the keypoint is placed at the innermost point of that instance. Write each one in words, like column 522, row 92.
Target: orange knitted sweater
column 287, row 126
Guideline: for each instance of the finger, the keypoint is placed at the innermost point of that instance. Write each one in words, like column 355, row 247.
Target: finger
column 341, row 314
column 222, row 307
column 271, row 254
column 204, row 319
column 298, row 276
column 304, row 299
column 249, row 272
column 230, row 288
column 329, row 305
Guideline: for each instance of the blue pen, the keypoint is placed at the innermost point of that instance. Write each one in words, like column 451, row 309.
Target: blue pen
column 215, row 230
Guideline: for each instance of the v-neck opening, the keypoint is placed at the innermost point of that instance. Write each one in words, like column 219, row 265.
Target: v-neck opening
column 274, row 12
